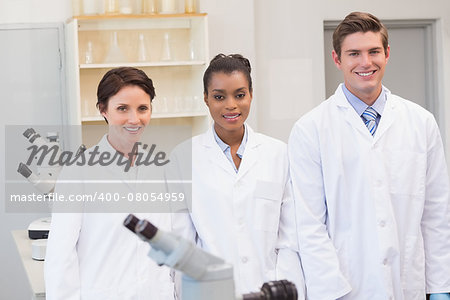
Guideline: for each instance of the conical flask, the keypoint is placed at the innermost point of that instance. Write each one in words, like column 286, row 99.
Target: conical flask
column 88, row 55
column 114, row 55
column 166, row 53
column 142, row 51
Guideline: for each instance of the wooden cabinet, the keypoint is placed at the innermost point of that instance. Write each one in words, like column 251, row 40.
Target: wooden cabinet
column 172, row 49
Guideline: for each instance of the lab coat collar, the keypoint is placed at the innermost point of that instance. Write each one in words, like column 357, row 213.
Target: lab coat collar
column 217, row 156
column 352, row 117
column 250, row 157
column 388, row 117
column 214, row 153
column 105, row 146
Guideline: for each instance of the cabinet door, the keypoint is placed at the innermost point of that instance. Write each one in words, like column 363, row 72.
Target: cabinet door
column 32, row 85
column 32, row 74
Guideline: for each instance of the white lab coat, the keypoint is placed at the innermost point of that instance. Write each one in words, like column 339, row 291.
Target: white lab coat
column 92, row 255
column 373, row 212
column 248, row 217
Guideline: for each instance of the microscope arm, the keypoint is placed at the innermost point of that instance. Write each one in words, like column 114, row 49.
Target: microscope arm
column 170, row 250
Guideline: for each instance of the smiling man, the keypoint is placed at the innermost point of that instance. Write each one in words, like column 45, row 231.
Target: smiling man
column 370, row 183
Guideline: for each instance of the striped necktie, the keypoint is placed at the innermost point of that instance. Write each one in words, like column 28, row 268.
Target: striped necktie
column 370, row 116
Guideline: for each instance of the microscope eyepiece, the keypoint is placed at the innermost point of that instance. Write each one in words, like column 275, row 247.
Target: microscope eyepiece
column 143, row 228
column 29, row 132
column 130, row 222
column 24, row 170
column 146, row 229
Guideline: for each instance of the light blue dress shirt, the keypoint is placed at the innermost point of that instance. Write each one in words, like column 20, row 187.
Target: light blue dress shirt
column 441, row 296
column 227, row 149
column 360, row 106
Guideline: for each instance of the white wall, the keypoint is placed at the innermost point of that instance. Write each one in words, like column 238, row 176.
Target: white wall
column 290, row 58
column 232, row 30
column 32, row 11
column 14, row 284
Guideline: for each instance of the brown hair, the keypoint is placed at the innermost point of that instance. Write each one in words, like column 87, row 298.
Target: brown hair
column 227, row 64
column 115, row 79
column 358, row 22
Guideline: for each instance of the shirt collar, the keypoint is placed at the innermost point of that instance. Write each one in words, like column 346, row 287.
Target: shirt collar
column 224, row 147
column 360, row 106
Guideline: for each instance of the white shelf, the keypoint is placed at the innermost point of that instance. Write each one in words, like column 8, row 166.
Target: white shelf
column 156, row 116
column 179, row 115
column 177, row 79
column 144, row 64
column 92, row 119
column 127, row 22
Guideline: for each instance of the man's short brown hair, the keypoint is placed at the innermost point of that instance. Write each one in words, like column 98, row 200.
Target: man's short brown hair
column 358, row 22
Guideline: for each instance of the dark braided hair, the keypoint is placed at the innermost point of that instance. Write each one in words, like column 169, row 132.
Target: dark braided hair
column 227, row 64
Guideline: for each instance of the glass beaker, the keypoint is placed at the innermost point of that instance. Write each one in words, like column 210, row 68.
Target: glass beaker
column 90, row 7
column 111, row 6
column 149, row 7
column 126, row 7
column 168, row 7
column 189, row 6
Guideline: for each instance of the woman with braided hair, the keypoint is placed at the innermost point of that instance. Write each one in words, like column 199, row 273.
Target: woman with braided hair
column 242, row 206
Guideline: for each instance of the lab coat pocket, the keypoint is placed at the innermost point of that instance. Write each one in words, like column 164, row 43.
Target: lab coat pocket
column 267, row 196
column 413, row 270
column 407, row 171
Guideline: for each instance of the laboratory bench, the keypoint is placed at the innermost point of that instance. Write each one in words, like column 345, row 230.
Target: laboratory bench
column 33, row 269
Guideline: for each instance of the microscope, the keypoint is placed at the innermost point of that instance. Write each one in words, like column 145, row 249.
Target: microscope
column 205, row 276
column 48, row 165
column 44, row 180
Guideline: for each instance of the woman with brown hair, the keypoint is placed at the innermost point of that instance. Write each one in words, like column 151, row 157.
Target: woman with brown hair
column 92, row 255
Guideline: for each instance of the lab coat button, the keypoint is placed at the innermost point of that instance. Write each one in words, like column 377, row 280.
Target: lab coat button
column 244, row 259
column 385, row 261
column 382, row 223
